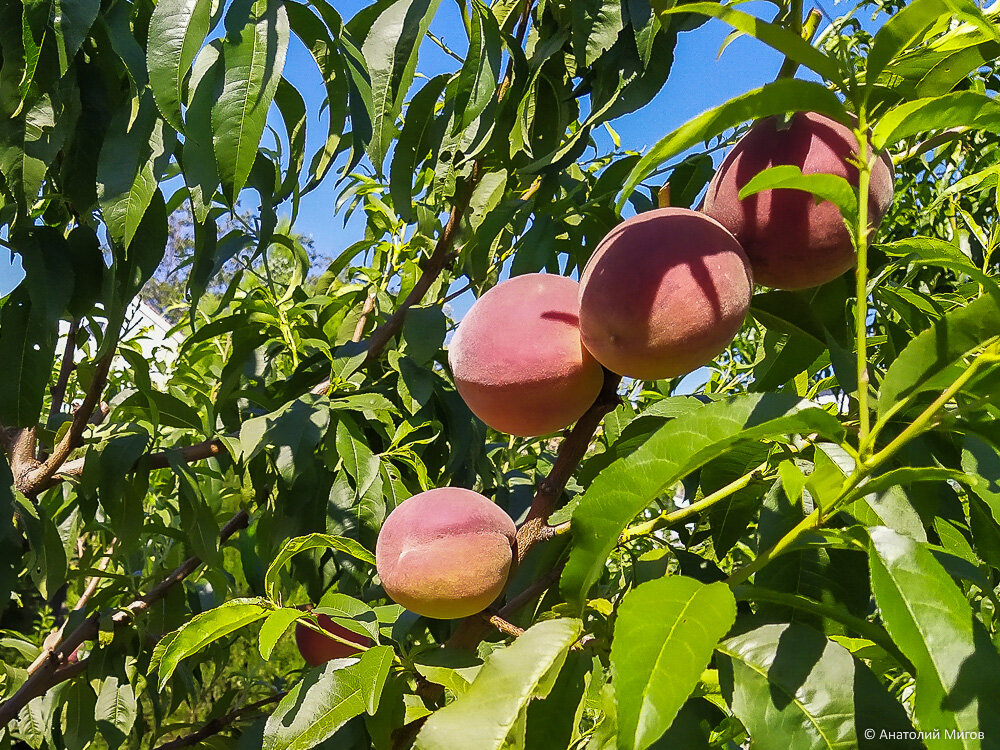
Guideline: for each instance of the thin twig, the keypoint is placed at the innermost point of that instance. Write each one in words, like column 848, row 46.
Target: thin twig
column 502, row 625
column 217, row 725
column 66, row 368
column 56, row 667
column 359, row 329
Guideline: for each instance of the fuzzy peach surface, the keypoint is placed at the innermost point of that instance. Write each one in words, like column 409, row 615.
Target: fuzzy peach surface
column 663, row 294
column 792, row 241
column 517, row 358
column 445, row 553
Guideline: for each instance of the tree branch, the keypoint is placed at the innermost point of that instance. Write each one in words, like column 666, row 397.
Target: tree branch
column 66, row 368
column 431, row 268
column 160, row 460
column 39, row 477
column 55, row 666
column 217, row 725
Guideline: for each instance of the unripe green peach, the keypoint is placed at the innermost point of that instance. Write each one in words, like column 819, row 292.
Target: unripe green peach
column 663, row 294
column 317, row 649
column 517, row 358
column 445, row 553
column 792, row 241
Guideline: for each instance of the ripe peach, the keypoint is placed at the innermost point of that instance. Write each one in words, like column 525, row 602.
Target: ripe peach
column 445, row 553
column 517, row 358
column 663, row 294
column 317, row 649
column 792, row 241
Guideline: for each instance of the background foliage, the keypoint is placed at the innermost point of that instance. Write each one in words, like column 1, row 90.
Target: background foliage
column 159, row 538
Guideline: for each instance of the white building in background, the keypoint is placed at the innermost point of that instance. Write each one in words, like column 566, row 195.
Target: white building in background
column 146, row 330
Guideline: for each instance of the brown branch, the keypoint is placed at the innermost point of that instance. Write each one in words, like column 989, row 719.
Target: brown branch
column 66, row 368
column 502, row 625
column 55, row 666
column 571, row 452
column 366, row 310
column 217, row 725
column 431, row 268
column 22, row 455
column 39, row 477
column 160, row 460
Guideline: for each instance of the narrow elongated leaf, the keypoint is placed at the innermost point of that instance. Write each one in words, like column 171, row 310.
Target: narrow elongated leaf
column 129, row 166
column 326, row 699
column 198, row 155
column 274, row 627
column 116, row 710
column 900, row 31
column 413, row 144
column 486, row 714
column 627, row 486
column 664, row 637
column 793, row 688
column 825, row 187
column 968, row 109
column 784, row 95
column 946, row 342
column 596, row 26
column 205, row 628
column 178, row 27
column 253, row 60
column 392, row 31
column 71, row 21
column 311, row 541
column 783, row 40
column 477, row 81
column 958, row 669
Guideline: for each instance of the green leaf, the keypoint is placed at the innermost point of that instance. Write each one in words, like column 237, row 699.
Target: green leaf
column 295, row 429
column 932, row 251
column 392, row 31
column 656, row 661
column 310, row 541
column 413, row 145
column 627, row 486
column 783, row 40
column 486, row 714
column 198, row 154
column 274, row 627
column 325, row 699
column 29, row 323
column 80, row 723
column 131, row 161
column 206, row 628
column 901, row 31
column 793, row 688
column 946, row 342
column 476, row 84
column 71, row 20
column 116, row 710
column 358, row 459
column 596, row 26
column 178, row 27
column 966, row 109
column 197, row 519
column 253, row 58
column 784, row 95
column 928, row 617
column 825, row 187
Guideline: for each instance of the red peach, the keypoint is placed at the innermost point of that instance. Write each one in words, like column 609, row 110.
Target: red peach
column 792, row 241
column 663, row 294
column 317, row 649
column 445, row 553
column 517, row 358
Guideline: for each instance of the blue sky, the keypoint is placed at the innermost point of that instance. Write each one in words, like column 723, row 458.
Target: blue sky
column 699, row 80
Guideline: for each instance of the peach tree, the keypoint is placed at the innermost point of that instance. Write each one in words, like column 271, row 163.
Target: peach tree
column 216, row 544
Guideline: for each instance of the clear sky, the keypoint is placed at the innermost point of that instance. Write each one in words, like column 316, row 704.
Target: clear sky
column 699, row 80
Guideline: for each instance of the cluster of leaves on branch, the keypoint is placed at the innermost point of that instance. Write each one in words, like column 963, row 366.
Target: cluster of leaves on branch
column 160, row 541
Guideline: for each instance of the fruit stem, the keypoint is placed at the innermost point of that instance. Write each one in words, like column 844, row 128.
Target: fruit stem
column 861, row 309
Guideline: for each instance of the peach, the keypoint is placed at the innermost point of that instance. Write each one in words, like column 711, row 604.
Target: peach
column 663, row 294
column 517, row 358
column 317, row 649
column 792, row 241
column 445, row 553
